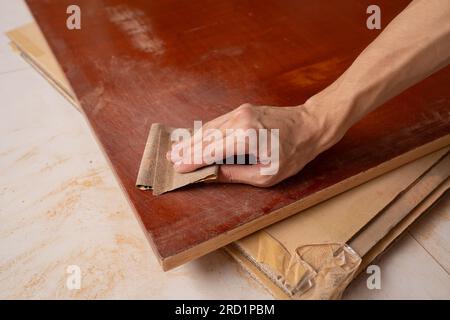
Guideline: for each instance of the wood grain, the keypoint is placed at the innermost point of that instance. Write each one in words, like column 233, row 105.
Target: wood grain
column 134, row 63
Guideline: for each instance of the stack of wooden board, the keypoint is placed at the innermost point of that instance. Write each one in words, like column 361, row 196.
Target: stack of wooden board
column 335, row 221
column 30, row 43
column 317, row 253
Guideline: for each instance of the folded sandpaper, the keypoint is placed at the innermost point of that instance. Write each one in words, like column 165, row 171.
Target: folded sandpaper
column 157, row 173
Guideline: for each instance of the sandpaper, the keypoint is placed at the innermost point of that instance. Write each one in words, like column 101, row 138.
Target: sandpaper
column 157, row 173
column 176, row 66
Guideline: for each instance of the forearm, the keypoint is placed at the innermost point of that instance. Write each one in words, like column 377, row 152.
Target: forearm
column 413, row 46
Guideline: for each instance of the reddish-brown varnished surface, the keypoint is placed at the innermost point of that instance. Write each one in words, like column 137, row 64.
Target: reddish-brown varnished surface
column 138, row 62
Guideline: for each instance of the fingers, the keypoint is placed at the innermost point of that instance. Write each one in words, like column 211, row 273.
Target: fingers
column 198, row 137
column 211, row 145
column 214, row 142
column 214, row 147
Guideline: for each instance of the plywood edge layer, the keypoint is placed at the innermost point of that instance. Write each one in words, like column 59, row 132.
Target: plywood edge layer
column 256, row 273
column 404, row 203
column 60, row 88
column 395, row 233
column 29, row 41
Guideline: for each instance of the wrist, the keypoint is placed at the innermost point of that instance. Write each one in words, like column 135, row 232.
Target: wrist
column 332, row 116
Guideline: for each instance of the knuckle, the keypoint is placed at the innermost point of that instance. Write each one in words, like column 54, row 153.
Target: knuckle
column 245, row 106
column 244, row 112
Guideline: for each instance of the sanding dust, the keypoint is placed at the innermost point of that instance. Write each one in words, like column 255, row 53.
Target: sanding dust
column 135, row 24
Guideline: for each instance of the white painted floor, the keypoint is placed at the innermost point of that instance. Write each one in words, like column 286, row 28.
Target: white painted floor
column 60, row 206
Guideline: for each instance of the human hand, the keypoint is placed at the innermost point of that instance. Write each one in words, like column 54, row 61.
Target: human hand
column 303, row 134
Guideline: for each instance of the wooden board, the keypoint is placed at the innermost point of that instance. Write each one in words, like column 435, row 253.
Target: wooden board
column 31, row 44
column 138, row 62
column 386, row 187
